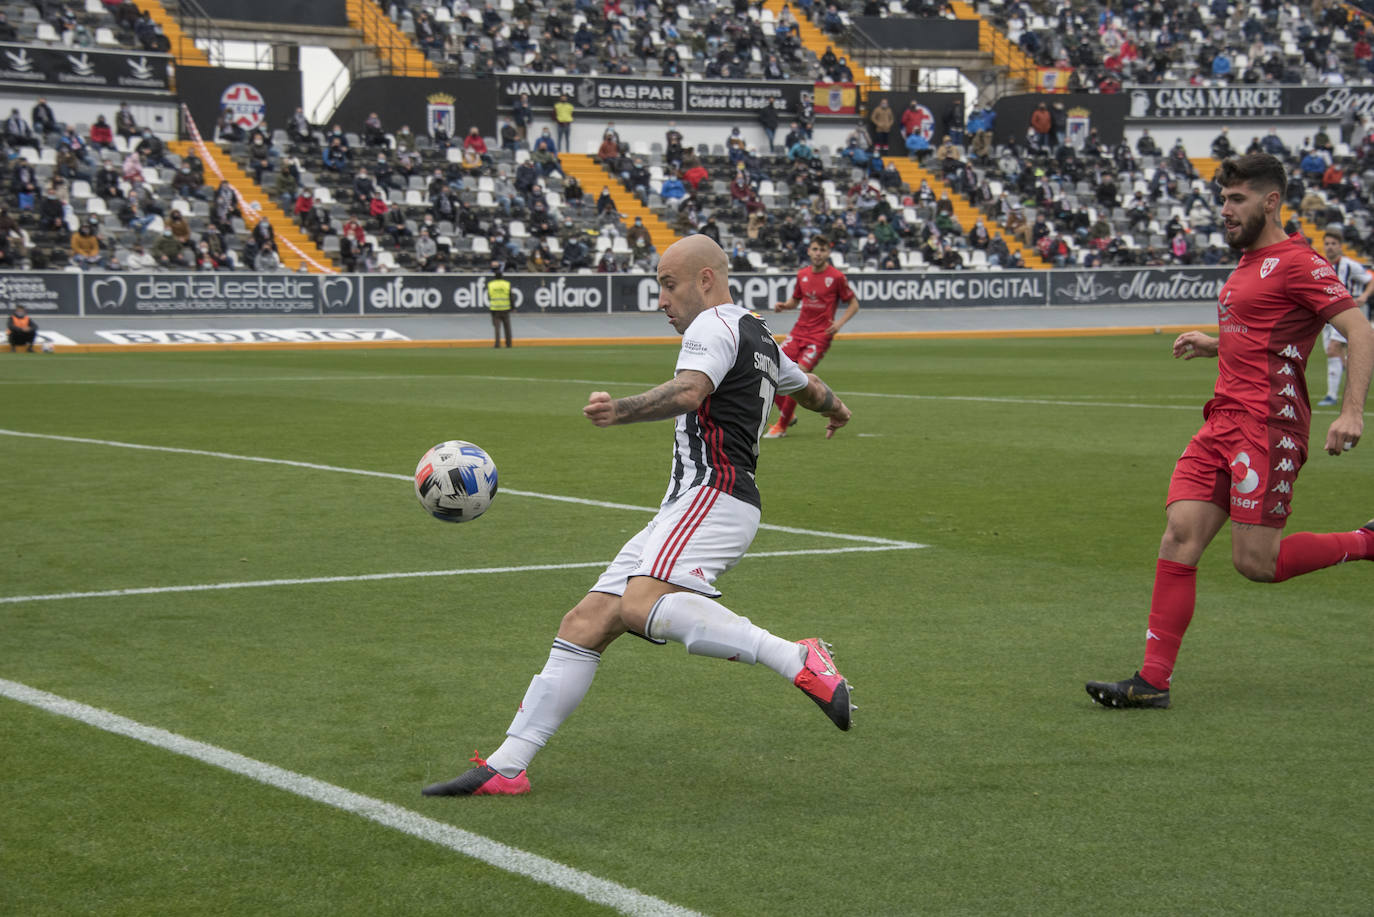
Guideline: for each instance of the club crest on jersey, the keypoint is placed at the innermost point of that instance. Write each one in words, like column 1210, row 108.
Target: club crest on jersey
column 828, row 282
column 1268, row 266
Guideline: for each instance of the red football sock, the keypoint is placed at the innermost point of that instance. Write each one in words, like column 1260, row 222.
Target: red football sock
column 1171, row 608
column 787, row 409
column 1304, row 552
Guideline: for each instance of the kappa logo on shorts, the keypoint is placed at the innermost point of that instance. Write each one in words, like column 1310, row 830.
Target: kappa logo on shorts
column 1287, row 411
column 1282, row 487
column 1285, row 465
column 1280, row 509
column 1286, row 369
column 1244, row 479
column 1268, row 266
column 1287, row 443
column 1288, row 391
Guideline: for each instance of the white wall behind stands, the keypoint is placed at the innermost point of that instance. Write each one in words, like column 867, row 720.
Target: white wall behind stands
column 160, row 115
column 1197, row 138
column 587, row 131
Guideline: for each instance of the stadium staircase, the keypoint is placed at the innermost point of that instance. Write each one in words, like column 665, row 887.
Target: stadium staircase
column 591, row 175
column 259, row 206
column 1020, row 67
column 396, row 49
column 965, row 213
column 1207, row 167
column 184, row 50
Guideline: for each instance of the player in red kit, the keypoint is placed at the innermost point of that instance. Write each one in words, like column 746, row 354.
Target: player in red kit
column 1244, row 462
column 819, row 289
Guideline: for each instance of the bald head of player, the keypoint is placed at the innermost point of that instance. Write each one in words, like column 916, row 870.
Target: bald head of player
column 693, row 276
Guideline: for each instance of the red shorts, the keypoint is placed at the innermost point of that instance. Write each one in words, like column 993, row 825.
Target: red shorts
column 1244, row 466
column 805, row 352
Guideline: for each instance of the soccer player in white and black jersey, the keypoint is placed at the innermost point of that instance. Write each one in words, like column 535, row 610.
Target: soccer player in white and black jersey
column 1359, row 280
column 660, row 585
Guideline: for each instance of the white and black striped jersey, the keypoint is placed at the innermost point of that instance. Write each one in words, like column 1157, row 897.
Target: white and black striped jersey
column 1353, row 275
column 717, row 445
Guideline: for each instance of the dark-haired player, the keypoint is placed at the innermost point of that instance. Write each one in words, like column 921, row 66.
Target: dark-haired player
column 1244, row 462
column 819, row 289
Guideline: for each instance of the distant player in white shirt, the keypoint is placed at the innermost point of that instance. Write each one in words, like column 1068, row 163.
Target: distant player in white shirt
column 661, row 584
column 1359, row 280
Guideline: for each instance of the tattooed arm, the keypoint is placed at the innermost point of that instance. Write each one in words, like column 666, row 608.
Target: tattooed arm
column 818, row 397
column 679, row 395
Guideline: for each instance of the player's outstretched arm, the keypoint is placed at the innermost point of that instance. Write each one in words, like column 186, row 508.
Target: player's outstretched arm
column 683, row 393
column 818, row 397
column 783, row 306
column 1345, row 431
column 1192, row 344
column 840, row 322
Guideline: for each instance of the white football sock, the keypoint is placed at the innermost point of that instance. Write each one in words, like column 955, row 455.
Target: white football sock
column 708, row 628
column 551, row 698
column 1334, row 370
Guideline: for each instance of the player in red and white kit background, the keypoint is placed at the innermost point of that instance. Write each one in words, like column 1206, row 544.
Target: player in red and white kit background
column 1244, row 462
column 819, row 289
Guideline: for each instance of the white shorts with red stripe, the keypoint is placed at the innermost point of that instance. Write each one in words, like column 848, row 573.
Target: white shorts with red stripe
column 689, row 543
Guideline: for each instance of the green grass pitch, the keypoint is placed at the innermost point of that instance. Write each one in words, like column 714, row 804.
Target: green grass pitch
column 979, row 779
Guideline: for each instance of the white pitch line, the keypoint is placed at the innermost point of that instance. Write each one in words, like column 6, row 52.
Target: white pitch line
column 608, row 383
column 503, row 857
column 417, row 574
column 402, row 477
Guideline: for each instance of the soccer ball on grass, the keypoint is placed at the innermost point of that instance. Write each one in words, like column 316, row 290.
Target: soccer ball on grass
column 455, row 481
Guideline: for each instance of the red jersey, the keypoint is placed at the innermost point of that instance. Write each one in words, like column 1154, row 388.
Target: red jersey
column 818, row 294
column 1271, row 309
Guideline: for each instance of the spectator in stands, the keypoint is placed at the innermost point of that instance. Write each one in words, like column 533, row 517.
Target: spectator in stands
column 335, row 156
column 85, row 247
column 917, row 146
column 227, row 128
column 378, row 208
column 139, row 259
column 17, row 131
column 305, row 202
column 605, row 204
column 1273, row 144
column 352, row 236
column 1313, row 165
column 298, row 127
column 125, row 125
column 225, row 207
column 426, row 250
column 168, row 252
column 1221, row 145
column 132, row 169
column 134, row 216
column 882, row 120
column 523, row 116
column 672, row 188
column 24, row 184
column 44, row 121
column 373, row 132
column 693, row 172
column 102, row 137
column 475, row 143
column 510, row 136
column 800, row 150
column 181, row 230
column 263, row 237
column 1042, row 123
column 1146, row 146
column 563, row 118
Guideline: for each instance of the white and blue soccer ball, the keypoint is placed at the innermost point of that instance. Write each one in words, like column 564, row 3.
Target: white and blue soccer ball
column 455, row 481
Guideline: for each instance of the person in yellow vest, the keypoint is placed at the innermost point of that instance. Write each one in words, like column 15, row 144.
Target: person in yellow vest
column 563, row 116
column 498, row 300
column 22, row 330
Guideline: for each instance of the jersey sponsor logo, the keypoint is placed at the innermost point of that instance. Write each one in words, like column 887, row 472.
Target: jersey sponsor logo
column 1288, row 412
column 1243, row 478
column 1287, row 443
column 690, row 345
column 1267, row 267
column 1243, row 503
column 1282, row 487
column 1285, row 465
column 1323, row 271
